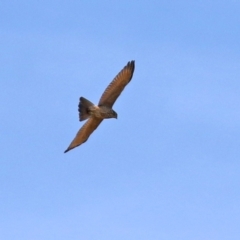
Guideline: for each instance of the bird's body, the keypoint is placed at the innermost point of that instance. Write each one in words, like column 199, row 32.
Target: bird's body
column 101, row 112
column 96, row 113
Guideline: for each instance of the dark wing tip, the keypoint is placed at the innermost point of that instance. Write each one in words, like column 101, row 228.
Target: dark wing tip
column 131, row 67
column 69, row 148
column 66, row 150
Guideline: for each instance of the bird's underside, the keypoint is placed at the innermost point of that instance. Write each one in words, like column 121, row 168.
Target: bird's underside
column 96, row 114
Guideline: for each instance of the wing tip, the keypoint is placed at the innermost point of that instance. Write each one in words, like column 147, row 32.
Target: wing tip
column 131, row 66
column 69, row 148
column 66, row 150
column 131, row 63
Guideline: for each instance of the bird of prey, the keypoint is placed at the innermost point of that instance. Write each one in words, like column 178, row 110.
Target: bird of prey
column 96, row 113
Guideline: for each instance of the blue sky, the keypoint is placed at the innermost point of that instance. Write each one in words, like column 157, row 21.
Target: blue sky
column 168, row 168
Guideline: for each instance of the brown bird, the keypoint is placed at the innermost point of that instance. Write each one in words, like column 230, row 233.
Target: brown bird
column 96, row 113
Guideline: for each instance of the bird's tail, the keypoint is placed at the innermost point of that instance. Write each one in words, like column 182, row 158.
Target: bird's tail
column 83, row 108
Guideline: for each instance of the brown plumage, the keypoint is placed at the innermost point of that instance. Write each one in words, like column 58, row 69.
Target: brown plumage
column 104, row 109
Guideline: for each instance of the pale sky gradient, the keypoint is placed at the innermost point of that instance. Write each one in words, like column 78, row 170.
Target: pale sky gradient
column 168, row 168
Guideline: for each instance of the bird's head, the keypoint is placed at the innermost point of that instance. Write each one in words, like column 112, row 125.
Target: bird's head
column 114, row 114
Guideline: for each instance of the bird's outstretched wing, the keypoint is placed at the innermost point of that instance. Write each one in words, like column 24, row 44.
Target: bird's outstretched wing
column 84, row 132
column 115, row 88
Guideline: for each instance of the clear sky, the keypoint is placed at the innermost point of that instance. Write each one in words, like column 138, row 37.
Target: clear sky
column 168, row 168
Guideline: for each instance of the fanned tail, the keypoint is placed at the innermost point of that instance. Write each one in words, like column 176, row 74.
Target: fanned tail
column 83, row 108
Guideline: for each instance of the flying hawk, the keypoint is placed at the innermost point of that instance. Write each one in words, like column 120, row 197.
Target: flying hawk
column 96, row 113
